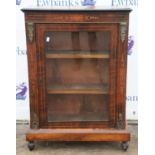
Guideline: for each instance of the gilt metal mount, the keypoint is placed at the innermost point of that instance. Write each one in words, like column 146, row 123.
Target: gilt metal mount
column 30, row 29
column 123, row 29
column 35, row 121
column 119, row 122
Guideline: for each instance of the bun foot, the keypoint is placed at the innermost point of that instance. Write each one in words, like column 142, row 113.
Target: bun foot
column 31, row 146
column 124, row 146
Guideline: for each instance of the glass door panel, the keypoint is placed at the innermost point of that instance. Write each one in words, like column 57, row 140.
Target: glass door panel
column 77, row 87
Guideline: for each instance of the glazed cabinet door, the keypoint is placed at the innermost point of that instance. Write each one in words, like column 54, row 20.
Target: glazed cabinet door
column 77, row 75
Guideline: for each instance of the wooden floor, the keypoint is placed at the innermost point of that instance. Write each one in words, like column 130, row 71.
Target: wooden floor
column 76, row 148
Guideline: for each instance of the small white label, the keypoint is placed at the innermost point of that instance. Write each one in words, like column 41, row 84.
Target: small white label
column 47, row 39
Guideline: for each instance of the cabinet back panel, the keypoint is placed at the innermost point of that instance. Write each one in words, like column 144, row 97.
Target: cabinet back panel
column 77, row 41
column 68, row 108
column 77, row 71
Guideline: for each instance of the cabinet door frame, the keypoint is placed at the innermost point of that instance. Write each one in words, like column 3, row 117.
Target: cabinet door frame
column 41, row 74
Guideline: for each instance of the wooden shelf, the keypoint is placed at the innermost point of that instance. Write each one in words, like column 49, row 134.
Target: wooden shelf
column 78, row 89
column 71, row 55
column 78, row 118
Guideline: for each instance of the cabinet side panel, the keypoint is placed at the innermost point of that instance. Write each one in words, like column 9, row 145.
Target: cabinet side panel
column 32, row 71
column 121, row 74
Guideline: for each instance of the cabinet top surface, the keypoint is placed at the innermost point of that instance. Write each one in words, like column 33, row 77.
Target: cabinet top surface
column 72, row 9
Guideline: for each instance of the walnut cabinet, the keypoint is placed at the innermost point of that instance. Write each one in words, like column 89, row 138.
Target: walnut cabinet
column 77, row 61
